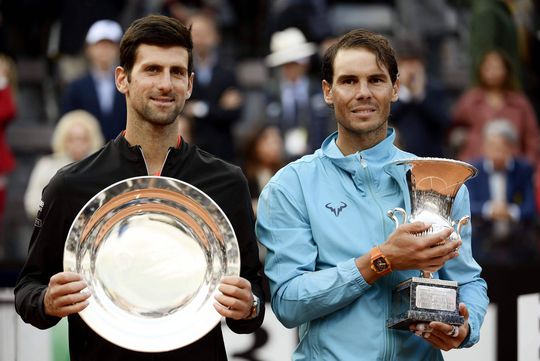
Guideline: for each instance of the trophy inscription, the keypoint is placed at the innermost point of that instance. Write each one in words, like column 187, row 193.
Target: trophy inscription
column 433, row 184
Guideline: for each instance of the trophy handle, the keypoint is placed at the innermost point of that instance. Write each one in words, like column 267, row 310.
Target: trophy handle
column 392, row 215
column 463, row 221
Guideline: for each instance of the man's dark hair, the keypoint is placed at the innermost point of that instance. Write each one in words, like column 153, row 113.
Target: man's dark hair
column 154, row 30
column 360, row 38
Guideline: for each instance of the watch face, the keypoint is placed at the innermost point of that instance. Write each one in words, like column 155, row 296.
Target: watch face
column 380, row 264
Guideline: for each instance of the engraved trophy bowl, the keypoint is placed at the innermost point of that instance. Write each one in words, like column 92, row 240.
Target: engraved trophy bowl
column 152, row 251
column 432, row 184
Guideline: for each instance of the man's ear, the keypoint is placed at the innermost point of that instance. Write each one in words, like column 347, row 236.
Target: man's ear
column 328, row 93
column 395, row 91
column 190, row 85
column 121, row 79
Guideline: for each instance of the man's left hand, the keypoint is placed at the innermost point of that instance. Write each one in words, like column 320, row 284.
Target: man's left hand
column 442, row 335
column 236, row 298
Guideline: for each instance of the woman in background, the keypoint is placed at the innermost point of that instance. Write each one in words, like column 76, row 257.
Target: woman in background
column 76, row 136
column 263, row 157
column 496, row 96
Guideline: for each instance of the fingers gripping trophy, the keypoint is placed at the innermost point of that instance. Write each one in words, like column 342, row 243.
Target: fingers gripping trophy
column 433, row 184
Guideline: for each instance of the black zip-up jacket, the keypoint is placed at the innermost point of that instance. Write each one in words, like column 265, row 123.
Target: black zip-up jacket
column 73, row 186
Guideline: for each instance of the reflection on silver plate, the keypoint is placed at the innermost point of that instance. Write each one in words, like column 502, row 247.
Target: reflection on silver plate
column 152, row 251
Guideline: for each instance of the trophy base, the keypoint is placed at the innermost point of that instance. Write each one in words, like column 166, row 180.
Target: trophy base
column 403, row 321
column 424, row 300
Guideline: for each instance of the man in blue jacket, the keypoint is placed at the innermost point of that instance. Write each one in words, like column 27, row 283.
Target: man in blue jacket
column 95, row 91
column 323, row 220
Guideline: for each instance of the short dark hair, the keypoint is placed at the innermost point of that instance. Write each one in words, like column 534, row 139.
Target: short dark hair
column 154, row 30
column 361, row 38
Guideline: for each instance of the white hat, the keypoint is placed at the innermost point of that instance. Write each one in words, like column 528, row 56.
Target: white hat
column 289, row 46
column 104, row 30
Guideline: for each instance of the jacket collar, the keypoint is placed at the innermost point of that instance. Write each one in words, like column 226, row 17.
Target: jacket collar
column 134, row 153
column 379, row 154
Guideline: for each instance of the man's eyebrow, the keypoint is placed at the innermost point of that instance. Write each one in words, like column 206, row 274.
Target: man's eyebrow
column 150, row 63
column 346, row 76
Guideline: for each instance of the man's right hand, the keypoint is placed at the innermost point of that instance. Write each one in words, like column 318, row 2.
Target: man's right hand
column 63, row 296
column 407, row 248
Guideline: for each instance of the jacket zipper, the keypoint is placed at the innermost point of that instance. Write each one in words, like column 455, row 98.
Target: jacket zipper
column 388, row 340
column 146, row 164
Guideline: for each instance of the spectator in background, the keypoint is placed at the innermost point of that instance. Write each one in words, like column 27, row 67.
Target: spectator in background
column 216, row 102
column 492, row 26
column 420, row 115
column 495, row 96
column 76, row 135
column 96, row 91
column 75, row 18
column 263, row 157
column 8, row 80
column 502, row 198
column 294, row 100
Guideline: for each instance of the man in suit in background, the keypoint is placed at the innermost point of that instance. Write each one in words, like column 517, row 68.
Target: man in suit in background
column 216, row 103
column 502, row 198
column 95, row 91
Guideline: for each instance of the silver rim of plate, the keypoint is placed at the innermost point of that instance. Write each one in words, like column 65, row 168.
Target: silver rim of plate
column 152, row 251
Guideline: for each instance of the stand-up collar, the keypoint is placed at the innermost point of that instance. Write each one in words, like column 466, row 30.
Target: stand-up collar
column 380, row 153
column 134, row 152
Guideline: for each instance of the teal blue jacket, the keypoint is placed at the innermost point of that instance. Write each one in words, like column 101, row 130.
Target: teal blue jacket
column 316, row 216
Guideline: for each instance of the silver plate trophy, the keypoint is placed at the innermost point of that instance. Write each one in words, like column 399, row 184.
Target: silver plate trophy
column 152, row 251
column 433, row 184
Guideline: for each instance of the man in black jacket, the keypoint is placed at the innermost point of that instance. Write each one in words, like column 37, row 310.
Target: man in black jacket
column 156, row 77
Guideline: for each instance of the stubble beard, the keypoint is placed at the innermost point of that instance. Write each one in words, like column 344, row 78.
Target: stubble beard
column 156, row 117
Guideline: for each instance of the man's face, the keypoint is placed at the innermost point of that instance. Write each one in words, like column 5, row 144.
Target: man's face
column 204, row 36
column 103, row 55
column 498, row 150
column 360, row 93
column 159, row 84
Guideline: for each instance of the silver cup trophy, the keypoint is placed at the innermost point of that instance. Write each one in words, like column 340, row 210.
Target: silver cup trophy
column 433, row 184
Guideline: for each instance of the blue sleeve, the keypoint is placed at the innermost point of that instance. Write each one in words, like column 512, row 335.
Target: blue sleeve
column 466, row 271
column 300, row 291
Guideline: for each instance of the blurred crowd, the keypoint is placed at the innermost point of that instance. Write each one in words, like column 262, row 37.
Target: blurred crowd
column 469, row 91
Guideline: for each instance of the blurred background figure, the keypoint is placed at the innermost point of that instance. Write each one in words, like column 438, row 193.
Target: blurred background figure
column 294, row 99
column 67, row 39
column 76, row 136
column 420, row 115
column 216, row 102
column 8, row 80
column 263, row 157
column 492, row 26
column 502, row 199
column 96, row 91
column 494, row 95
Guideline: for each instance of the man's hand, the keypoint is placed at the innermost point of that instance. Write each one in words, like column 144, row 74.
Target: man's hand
column 236, row 298
column 63, row 296
column 441, row 335
column 407, row 248
column 499, row 211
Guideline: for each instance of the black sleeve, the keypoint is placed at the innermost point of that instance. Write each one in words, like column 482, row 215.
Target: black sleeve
column 243, row 222
column 45, row 255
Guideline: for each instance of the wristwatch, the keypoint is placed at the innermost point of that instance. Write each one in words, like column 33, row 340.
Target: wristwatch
column 255, row 306
column 379, row 263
